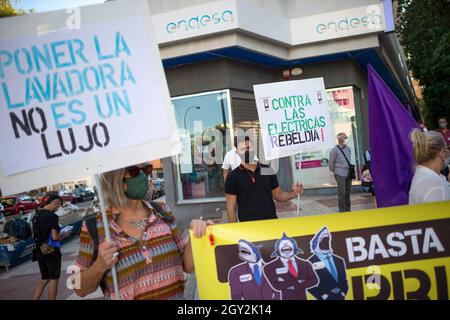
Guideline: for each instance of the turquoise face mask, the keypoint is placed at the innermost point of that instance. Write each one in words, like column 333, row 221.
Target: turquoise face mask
column 137, row 187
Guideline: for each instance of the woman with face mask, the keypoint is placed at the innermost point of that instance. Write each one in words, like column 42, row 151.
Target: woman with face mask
column 430, row 154
column 146, row 246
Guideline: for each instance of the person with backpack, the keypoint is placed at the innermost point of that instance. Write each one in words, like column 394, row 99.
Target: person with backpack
column 147, row 248
column 343, row 170
column 46, row 238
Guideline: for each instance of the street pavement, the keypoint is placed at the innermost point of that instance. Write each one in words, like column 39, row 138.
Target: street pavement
column 19, row 282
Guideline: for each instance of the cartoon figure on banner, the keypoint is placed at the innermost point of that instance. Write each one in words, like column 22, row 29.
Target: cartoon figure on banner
column 246, row 279
column 288, row 273
column 330, row 269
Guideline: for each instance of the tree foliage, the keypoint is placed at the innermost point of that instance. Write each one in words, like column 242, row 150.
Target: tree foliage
column 7, row 9
column 423, row 27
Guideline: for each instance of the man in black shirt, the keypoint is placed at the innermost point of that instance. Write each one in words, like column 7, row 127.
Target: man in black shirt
column 254, row 187
column 44, row 223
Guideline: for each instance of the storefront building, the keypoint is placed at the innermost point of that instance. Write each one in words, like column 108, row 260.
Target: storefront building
column 215, row 51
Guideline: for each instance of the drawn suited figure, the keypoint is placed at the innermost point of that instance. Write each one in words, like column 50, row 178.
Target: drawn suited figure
column 330, row 269
column 246, row 279
column 287, row 273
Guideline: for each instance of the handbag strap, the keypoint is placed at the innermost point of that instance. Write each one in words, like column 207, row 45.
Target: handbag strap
column 348, row 162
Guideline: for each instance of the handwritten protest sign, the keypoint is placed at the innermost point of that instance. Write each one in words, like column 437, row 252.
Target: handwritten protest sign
column 293, row 117
column 71, row 95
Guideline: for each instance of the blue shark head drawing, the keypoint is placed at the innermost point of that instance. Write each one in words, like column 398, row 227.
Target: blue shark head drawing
column 321, row 242
column 249, row 252
column 286, row 247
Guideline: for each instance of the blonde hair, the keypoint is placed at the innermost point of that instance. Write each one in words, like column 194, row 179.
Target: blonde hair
column 427, row 145
column 113, row 190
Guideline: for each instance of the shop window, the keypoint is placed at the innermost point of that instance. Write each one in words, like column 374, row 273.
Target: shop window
column 343, row 107
column 201, row 118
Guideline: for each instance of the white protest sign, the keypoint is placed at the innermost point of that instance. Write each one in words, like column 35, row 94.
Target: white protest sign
column 293, row 116
column 76, row 102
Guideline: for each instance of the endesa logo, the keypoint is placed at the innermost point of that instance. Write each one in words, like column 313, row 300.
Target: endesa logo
column 198, row 21
column 370, row 21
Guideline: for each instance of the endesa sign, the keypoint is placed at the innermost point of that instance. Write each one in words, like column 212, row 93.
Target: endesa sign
column 198, row 22
column 195, row 21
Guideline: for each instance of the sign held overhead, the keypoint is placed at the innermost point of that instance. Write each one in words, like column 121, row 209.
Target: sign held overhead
column 294, row 117
column 72, row 98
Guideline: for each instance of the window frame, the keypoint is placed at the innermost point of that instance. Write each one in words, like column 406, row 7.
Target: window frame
column 176, row 167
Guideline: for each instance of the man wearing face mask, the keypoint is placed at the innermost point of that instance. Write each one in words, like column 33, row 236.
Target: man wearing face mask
column 253, row 187
column 443, row 124
column 340, row 157
column 232, row 160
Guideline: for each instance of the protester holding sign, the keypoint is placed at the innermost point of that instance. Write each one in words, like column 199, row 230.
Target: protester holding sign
column 430, row 153
column 339, row 164
column 147, row 248
column 253, row 187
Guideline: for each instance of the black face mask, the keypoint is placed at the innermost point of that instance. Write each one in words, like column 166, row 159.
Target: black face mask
column 247, row 157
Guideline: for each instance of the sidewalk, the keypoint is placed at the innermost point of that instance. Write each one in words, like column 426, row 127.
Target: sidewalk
column 322, row 204
column 19, row 283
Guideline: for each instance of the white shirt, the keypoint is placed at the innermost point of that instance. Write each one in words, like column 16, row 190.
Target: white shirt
column 428, row 186
column 286, row 265
column 231, row 160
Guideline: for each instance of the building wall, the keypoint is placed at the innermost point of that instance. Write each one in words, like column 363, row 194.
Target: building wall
column 240, row 77
column 292, row 8
column 340, row 74
column 303, row 8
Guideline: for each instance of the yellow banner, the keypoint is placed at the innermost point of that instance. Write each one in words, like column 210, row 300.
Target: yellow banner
column 391, row 253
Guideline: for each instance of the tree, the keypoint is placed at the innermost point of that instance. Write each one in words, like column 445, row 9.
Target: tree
column 423, row 28
column 7, row 9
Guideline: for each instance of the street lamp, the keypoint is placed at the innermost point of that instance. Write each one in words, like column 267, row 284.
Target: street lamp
column 185, row 114
column 222, row 97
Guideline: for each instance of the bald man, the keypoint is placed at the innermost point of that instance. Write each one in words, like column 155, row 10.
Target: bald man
column 340, row 168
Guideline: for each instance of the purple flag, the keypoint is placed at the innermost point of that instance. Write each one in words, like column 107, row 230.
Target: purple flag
column 391, row 149
column 408, row 108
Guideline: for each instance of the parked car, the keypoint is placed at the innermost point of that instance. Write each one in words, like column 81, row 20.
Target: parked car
column 19, row 204
column 158, row 185
column 83, row 194
column 66, row 197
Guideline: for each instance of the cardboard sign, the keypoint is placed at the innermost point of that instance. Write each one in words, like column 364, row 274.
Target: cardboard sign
column 293, row 116
column 391, row 253
column 79, row 101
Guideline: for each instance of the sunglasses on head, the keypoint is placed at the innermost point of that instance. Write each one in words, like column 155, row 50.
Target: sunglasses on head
column 134, row 171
